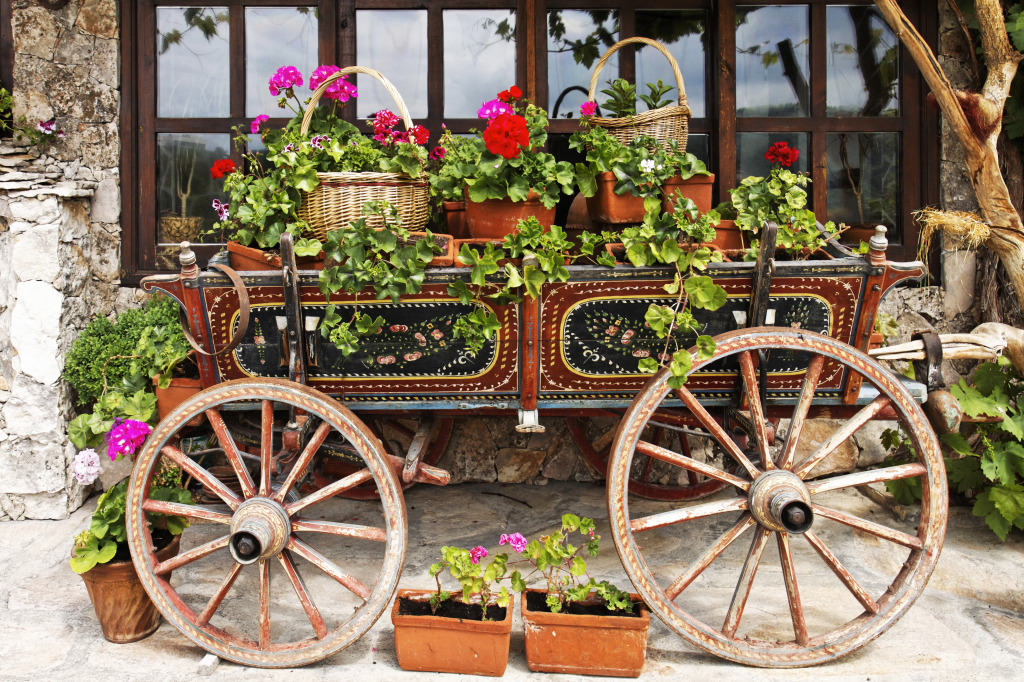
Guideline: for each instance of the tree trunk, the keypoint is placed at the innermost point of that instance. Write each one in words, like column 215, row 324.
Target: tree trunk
column 976, row 120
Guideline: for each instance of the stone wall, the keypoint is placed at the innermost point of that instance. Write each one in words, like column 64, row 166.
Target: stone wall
column 59, row 241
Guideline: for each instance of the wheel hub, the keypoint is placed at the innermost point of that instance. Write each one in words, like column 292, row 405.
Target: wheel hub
column 259, row 530
column 780, row 501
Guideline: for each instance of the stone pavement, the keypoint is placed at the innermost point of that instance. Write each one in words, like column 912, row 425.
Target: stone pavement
column 967, row 625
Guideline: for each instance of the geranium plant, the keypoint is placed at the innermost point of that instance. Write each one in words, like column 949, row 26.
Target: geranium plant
column 564, row 568
column 510, row 163
column 479, row 582
column 780, row 197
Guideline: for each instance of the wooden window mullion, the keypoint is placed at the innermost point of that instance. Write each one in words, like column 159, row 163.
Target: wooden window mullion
column 724, row 122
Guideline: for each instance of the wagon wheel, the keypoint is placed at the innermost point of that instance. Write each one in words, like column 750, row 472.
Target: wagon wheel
column 397, row 436
column 772, row 501
column 648, row 477
column 221, row 596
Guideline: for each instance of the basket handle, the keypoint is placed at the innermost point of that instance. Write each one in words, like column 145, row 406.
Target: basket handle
column 308, row 116
column 646, row 41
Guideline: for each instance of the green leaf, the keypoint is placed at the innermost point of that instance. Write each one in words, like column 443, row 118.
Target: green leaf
column 955, row 441
column 578, row 566
column 534, row 279
column 705, row 347
column 648, row 365
column 704, row 293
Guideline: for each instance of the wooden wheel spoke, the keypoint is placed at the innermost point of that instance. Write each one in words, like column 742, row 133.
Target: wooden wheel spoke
column 800, row 411
column 266, row 446
column 796, row 608
column 339, row 486
column 876, row 529
column 202, row 475
column 746, row 581
column 215, row 601
column 752, row 389
column 193, row 554
column 705, row 560
column 865, row 477
column 690, row 464
column 315, row 619
column 328, row 567
column 303, row 460
column 227, row 443
column 264, row 568
column 844, row 576
column 346, row 530
column 842, row 435
column 683, row 514
column 189, row 511
column 716, row 431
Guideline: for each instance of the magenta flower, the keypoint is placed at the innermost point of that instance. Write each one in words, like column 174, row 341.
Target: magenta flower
column 47, row 127
column 494, row 108
column 221, row 208
column 86, row 466
column 437, row 154
column 340, row 89
column 257, row 122
column 286, row 77
column 517, row 541
column 126, row 437
column 477, row 553
column 318, row 141
column 588, row 108
column 419, row 134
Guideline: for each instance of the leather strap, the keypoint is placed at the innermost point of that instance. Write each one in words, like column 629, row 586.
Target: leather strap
column 243, row 314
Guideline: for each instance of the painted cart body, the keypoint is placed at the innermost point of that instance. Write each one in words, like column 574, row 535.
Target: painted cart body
column 280, row 400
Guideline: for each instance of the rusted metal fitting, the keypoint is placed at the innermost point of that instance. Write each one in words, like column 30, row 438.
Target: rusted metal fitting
column 259, row 530
column 930, row 369
column 780, row 501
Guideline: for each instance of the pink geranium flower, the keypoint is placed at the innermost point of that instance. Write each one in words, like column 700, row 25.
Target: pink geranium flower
column 254, row 127
column 517, row 541
column 494, row 108
column 286, row 77
column 477, row 553
column 126, row 436
column 588, row 108
column 340, row 89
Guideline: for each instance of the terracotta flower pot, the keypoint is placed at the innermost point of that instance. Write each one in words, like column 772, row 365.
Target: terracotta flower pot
column 728, row 237
column 455, row 219
column 613, row 209
column 698, row 188
column 248, row 259
column 495, row 218
column 180, row 390
column 125, row 611
column 449, row 645
column 608, row 645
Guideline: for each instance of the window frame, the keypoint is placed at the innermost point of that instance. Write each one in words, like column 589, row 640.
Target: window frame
column 337, row 40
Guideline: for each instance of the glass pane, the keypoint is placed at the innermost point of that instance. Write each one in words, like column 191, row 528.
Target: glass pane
column 697, row 144
column 576, row 40
column 683, row 32
column 394, row 43
column 772, row 64
column 751, row 148
column 863, row 179
column 863, row 63
column 481, row 43
column 192, row 76
column 184, row 186
column 293, row 33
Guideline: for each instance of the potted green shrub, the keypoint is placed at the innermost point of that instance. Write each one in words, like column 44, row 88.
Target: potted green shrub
column 468, row 633
column 512, row 178
column 455, row 158
column 578, row 625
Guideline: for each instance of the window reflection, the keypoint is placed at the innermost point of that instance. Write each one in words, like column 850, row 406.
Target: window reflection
column 293, row 33
column 576, row 40
column 863, row 63
column 393, row 42
column 479, row 58
column 684, row 33
column 772, row 67
column 192, row 62
column 863, row 178
column 184, row 186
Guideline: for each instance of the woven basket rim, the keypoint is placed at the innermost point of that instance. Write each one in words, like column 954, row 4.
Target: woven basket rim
column 367, row 175
column 672, row 110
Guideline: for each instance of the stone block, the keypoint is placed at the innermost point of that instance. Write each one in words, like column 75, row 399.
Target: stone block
column 958, row 274
column 106, row 63
column 106, row 202
column 35, row 326
column 36, row 210
column 30, row 467
column 869, row 440
column 47, row 506
column 98, row 18
column 33, row 410
column 816, row 432
column 112, row 473
column 470, row 458
column 13, row 506
column 516, row 465
column 74, row 47
column 560, row 461
column 35, row 255
column 35, row 32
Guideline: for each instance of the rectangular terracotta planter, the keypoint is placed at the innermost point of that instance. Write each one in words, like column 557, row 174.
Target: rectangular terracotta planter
column 450, row 645
column 247, row 258
column 179, row 390
column 612, row 646
column 697, row 188
column 609, row 208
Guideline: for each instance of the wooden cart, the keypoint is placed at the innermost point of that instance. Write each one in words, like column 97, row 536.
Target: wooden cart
column 281, row 404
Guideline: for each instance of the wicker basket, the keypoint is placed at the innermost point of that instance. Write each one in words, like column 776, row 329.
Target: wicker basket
column 664, row 124
column 175, row 228
column 339, row 197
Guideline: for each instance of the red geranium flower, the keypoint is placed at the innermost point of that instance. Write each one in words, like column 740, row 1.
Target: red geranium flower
column 510, row 95
column 507, row 135
column 782, row 154
column 221, row 167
